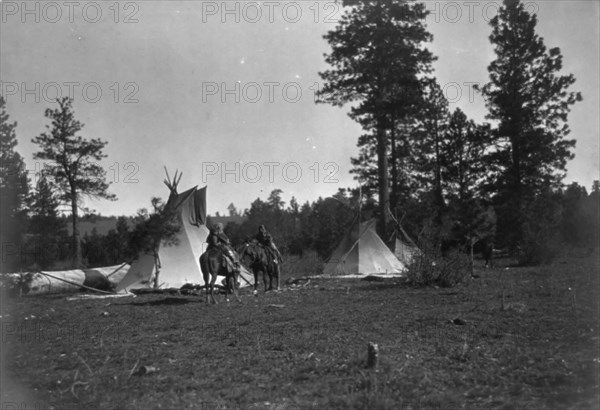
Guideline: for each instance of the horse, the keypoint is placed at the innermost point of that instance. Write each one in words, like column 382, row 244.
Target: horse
column 485, row 246
column 260, row 261
column 212, row 264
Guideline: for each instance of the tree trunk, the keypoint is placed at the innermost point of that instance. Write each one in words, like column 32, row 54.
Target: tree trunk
column 394, row 158
column 384, row 192
column 439, row 199
column 517, row 190
column 76, row 242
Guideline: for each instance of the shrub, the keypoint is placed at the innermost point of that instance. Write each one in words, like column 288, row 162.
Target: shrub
column 308, row 264
column 431, row 268
column 534, row 251
column 539, row 243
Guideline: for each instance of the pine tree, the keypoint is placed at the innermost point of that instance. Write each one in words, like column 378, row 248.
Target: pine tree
column 530, row 101
column 46, row 226
column 378, row 58
column 72, row 164
column 14, row 189
column 464, row 166
column 430, row 140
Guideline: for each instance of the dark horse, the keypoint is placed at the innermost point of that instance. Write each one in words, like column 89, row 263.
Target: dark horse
column 260, row 262
column 485, row 246
column 212, row 263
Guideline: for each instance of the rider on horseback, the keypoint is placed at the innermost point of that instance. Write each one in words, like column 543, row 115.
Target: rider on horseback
column 266, row 241
column 218, row 239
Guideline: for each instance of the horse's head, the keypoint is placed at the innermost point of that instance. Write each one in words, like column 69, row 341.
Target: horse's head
column 249, row 250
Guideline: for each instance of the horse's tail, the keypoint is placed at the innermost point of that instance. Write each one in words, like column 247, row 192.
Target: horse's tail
column 205, row 267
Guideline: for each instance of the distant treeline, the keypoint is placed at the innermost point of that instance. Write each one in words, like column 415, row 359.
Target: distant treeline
column 568, row 217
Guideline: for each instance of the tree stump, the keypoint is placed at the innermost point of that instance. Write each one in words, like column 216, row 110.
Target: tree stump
column 372, row 355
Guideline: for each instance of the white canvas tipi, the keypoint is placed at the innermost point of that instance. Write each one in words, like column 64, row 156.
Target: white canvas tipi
column 178, row 262
column 362, row 252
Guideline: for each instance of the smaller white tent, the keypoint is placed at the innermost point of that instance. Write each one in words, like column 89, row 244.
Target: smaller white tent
column 362, row 252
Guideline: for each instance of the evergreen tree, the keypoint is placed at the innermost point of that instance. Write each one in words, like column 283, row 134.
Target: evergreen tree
column 530, row 101
column 232, row 210
column 378, row 58
column 94, row 248
column 430, row 141
column 46, row 227
column 580, row 217
column 464, row 165
column 14, row 189
column 72, row 164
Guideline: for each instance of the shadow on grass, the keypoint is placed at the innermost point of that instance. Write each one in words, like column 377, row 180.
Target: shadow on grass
column 165, row 301
column 380, row 285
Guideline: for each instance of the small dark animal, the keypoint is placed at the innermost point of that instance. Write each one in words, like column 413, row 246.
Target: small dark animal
column 485, row 246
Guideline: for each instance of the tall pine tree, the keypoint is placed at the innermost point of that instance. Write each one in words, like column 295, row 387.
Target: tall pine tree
column 377, row 61
column 430, row 136
column 13, row 193
column 72, row 164
column 530, row 101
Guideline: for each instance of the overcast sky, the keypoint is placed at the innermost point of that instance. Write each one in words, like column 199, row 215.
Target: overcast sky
column 224, row 91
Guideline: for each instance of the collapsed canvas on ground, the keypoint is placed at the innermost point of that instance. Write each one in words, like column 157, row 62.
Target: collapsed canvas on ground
column 179, row 261
column 68, row 281
column 363, row 252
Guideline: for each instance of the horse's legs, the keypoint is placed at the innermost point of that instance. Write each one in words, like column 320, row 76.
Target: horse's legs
column 265, row 273
column 277, row 272
column 256, row 272
column 207, row 285
column 227, row 287
column 213, row 279
column 205, row 274
column 234, row 279
column 236, row 285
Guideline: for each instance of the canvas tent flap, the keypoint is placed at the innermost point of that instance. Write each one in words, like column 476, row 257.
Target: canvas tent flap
column 403, row 251
column 198, row 208
column 140, row 273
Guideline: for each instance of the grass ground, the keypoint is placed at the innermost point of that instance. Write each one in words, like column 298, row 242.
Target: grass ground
column 305, row 347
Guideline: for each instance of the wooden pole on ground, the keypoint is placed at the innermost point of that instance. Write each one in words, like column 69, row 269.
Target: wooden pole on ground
column 372, row 355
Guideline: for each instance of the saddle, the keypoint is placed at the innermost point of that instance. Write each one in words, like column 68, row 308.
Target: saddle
column 228, row 264
column 270, row 253
column 217, row 252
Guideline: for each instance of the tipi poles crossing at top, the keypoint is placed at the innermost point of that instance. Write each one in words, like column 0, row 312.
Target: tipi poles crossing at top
column 172, row 185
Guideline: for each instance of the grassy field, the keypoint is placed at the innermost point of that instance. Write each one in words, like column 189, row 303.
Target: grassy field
column 527, row 338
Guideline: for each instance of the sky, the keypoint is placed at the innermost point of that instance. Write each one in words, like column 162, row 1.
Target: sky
column 224, row 91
